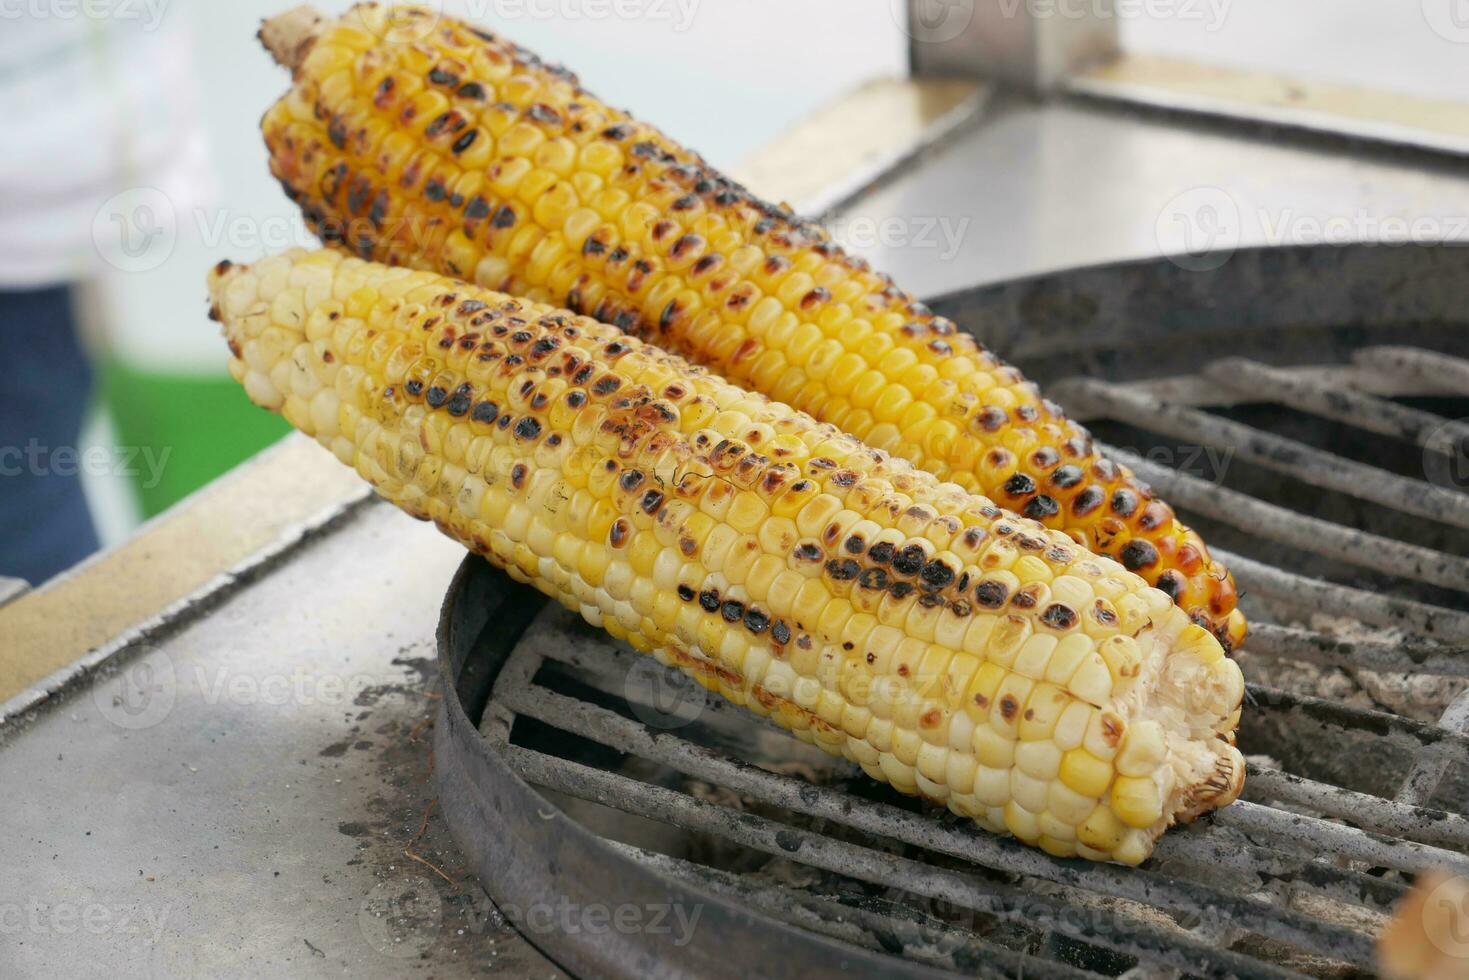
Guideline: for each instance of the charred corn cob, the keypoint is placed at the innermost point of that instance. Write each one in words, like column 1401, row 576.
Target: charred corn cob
column 419, row 140
column 951, row 648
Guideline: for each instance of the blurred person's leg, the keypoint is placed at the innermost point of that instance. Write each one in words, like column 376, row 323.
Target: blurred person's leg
column 45, row 389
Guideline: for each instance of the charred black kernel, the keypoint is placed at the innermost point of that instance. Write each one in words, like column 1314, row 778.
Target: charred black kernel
column 616, row 349
column 756, row 621
column 472, row 90
column 435, row 190
column 618, row 132
column 909, row 561
column 414, row 387
column 631, row 480
column 543, row 347
column 763, row 225
column 873, row 578
column 619, row 254
column 504, row 421
column 709, row 600
column 1019, row 485
column 542, row 113
column 652, row 500
column 1041, row 506
column 336, row 131
column 576, row 399
column 518, row 474
column 1044, row 458
column 1027, row 413
column 625, row 320
column 1059, row 616
column 1087, row 501
column 882, row 552
column 1138, row 554
column 1171, row 582
column 930, row 600
column 527, row 428
column 936, row 575
column 685, row 203
column 593, row 247
column 806, row 551
column 477, row 208
column 815, row 297
column 991, row 594
column 686, row 593
column 503, row 218
column 1059, row 555
column 992, row 419
column 960, row 608
column 441, row 77
column 843, row 569
column 726, row 198
column 459, row 404
column 1103, row 615
column 900, row 590
column 706, row 263
column 1066, row 476
column 645, row 149
column 465, row 142
column 1027, row 597
column 781, row 631
column 732, row 611
column 607, row 385
column 855, row 544
column 669, row 312
column 471, row 306
column 1030, row 542
column 620, row 532
column 1124, row 503
column 436, row 396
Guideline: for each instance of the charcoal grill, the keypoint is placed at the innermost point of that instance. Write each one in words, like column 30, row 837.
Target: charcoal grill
column 1329, row 384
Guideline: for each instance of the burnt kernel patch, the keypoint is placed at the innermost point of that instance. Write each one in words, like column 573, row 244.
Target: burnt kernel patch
column 900, row 590
column 442, row 76
column 992, row 419
column 709, row 600
column 459, row 404
column 465, row 142
column 620, row 532
column 617, row 133
column 607, row 385
column 518, row 474
column 873, row 578
column 909, row 561
column 1059, row 616
column 1138, row 554
column 527, row 428
column 882, row 552
column 756, row 621
column 686, row 593
column 542, row 113
column 1009, row 707
column 1027, row 597
column 855, row 544
column 477, row 209
column 503, row 218
column 1088, row 501
column 732, row 611
column 651, row 501
column 991, row 594
column 436, row 396
column 413, row 387
column 472, row 90
column 1019, row 485
column 843, row 569
column 1171, row 583
column 1124, row 503
column 1041, row 506
column 1067, row 476
column 631, row 480
column 1103, row 615
column 936, row 575
column 806, row 551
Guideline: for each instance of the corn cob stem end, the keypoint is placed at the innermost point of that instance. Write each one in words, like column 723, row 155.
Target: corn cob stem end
column 288, row 36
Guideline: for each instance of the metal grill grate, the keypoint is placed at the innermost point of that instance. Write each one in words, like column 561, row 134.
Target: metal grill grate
column 1344, row 803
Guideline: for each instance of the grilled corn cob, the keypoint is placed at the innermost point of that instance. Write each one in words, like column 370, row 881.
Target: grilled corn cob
column 418, row 140
column 951, row 648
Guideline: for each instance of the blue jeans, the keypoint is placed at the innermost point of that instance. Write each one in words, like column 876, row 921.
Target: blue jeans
column 45, row 390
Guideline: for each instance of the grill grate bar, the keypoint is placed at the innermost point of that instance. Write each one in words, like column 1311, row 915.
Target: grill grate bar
column 1309, row 595
column 919, row 936
column 1419, row 368
column 1295, row 459
column 1102, row 928
column 608, row 728
column 1301, row 531
column 1433, row 760
column 1371, row 813
column 1351, row 718
column 1406, row 656
column 1367, row 412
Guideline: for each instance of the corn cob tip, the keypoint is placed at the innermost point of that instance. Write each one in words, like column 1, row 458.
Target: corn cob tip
column 288, row 36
